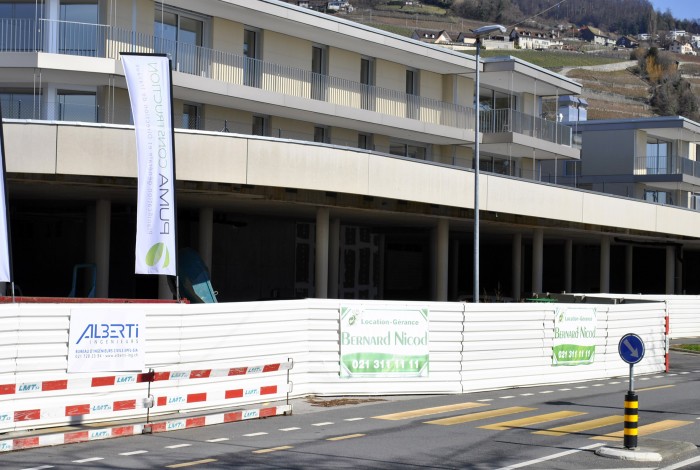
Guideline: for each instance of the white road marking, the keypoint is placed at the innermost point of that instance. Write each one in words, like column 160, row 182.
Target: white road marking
column 253, row 434
column 289, row 429
column 134, row 452
column 599, row 385
column 614, row 383
column 582, row 386
column 507, row 397
column 547, row 391
column 526, row 394
column 681, row 464
column 486, row 399
column 354, row 419
column 218, row 439
column 91, row 459
column 325, row 423
column 177, row 446
column 564, row 389
column 43, row 467
column 550, row 457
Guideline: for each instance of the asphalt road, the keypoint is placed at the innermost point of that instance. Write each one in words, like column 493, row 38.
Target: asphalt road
column 552, row 427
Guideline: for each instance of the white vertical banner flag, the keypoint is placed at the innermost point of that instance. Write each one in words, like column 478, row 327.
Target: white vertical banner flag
column 5, row 275
column 148, row 80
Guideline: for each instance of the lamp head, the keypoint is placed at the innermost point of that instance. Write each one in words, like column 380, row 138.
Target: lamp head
column 489, row 29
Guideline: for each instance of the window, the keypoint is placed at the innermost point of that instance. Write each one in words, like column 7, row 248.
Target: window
column 319, row 72
column 321, row 134
column 661, row 197
column 260, row 125
column 79, row 32
column 191, row 118
column 180, row 35
column 657, row 157
column 20, row 105
column 25, row 35
column 412, row 100
column 572, row 168
column 367, row 80
column 365, row 141
column 252, row 68
column 76, row 106
column 408, row 150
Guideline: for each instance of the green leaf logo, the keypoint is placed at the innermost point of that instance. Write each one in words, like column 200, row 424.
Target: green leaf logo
column 156, row 253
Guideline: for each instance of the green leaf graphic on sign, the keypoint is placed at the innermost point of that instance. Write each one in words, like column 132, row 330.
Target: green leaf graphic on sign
column 158, row 251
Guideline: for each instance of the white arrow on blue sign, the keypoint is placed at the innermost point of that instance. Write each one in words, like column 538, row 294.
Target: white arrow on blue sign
column 631, row 348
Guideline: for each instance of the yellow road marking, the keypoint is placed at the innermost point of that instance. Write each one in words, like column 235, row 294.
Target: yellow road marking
column 654, row 388
column 645, row 430
column 341, row 438
column 480, row 415
column 271, row 449
column 582, row 426
column 429, row 411
column 190, row 464
column 523, row 422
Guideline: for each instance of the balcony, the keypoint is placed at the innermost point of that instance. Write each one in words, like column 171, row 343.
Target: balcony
column 92, row 40
column 666, row 165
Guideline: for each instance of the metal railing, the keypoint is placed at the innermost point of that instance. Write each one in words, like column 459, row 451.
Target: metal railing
column 510, row 120
column 666, row 165
column 92, row 40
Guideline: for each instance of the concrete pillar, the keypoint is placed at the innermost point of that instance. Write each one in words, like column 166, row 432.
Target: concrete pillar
column 569, row 265
column 103, row 223
column 206, row 235
column 322, row 239
column 629, row 268
column 454, row 270
column 537, row 259
column 334, row 259
column 517, row 266
column 604, row 265
column 442, row 255
column 670, row 270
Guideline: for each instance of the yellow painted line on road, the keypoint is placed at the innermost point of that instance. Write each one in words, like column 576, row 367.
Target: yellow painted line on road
column 654, row 388
column 271, row 449
column 191, row 464
column 582, row 426
column 342, row 438
column 664, row 425
column 430, row 411
column 524, row 422
column 480, row 415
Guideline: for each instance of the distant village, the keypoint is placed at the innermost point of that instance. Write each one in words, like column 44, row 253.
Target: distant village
column 676, row 41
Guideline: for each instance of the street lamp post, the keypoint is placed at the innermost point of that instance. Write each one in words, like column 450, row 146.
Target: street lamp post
column 478, row 33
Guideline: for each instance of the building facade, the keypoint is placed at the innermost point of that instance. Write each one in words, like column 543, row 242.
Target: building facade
column 316, row 157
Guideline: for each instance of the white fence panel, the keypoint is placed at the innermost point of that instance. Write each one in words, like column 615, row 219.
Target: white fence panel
column 684, row 316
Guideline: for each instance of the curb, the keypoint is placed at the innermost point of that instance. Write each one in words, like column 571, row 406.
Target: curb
column 653, row 450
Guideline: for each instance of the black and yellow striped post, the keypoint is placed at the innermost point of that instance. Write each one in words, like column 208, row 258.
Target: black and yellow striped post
column 631, row 419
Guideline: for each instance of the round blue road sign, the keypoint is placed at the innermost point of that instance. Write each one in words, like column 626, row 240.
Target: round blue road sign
column 631, row 348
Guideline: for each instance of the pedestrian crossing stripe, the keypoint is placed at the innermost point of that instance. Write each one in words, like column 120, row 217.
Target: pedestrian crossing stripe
column 480, row 415
column 582, row 426
column 645, row 430
column 430, row 411
column 524, row 422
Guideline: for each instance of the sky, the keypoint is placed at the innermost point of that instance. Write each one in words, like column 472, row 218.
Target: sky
column 681, row 9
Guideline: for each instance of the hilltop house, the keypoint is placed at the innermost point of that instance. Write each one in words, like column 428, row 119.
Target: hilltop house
column 628, row 42
column 431, row 36
column 526, row 39
column 595, row 36
column 681, row 48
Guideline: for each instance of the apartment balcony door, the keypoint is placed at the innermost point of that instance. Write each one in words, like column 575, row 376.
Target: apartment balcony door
column 657, row 157
column 20, row 24
column 180, row 37
column 319, row 73
column 412, row 100
column 79, row 31
column 367, row 82
column 252, row 66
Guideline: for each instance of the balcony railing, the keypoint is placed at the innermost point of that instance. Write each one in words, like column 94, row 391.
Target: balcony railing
column 666, row 165
column 22, row 35
column 510, row 120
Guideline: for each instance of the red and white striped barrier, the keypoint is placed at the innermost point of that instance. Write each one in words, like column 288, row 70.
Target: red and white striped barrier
column 116, row 380
column 134, row 429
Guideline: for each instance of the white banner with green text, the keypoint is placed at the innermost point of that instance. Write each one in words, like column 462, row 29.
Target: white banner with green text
column 574, row 336
column 384, row 342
